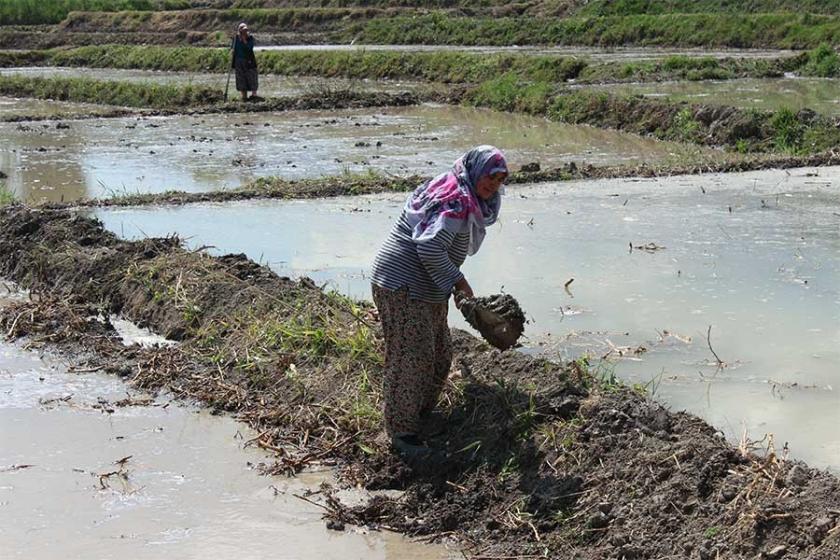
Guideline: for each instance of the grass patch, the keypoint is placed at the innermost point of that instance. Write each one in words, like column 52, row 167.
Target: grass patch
column 739, row 130
column 658, row 7
column 447, row 67
column 33, row 12
column 436, row 67
column 822, row 62
column 680, row 67
column 301, row 20
column 779, row 30
column 126, row 94
column 6, row 196
column 788, row 131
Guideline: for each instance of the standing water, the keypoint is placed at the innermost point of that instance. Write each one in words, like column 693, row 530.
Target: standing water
column 83, row 476
column 752, row 256
column 102, row 157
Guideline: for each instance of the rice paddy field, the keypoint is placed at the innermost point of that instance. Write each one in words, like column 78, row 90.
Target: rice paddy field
column 191, row 361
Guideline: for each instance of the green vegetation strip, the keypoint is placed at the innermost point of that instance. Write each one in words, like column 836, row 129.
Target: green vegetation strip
column 33, row 12
column 453, row 67
column 85, row 90
column 743, row 130
column 284, row 19
column 780, row 30
column 6, row 196
column 635, row 7
column 406, row 26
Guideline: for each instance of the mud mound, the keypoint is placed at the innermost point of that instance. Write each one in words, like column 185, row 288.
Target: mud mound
column 541, row 459
column 498, row 318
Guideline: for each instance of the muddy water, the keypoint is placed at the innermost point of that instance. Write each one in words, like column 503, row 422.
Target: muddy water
column 764, row 275
column 593, row 53
column 97, row 158
column 820, row 95
column 270, row 85
column 11, row 106
column 191, row 490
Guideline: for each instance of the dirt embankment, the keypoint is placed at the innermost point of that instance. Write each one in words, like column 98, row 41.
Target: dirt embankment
column 191, row 101
column 544, row 461
column 735, row 128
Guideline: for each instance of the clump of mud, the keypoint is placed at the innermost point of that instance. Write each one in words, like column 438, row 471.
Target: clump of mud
column 498, row 318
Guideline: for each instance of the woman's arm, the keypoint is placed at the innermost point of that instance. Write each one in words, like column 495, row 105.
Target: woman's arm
column 434, row 254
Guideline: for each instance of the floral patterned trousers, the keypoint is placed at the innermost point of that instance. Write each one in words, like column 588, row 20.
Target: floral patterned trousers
column 418, row 355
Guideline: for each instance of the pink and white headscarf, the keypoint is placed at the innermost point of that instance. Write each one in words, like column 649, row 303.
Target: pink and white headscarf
column 450, row 202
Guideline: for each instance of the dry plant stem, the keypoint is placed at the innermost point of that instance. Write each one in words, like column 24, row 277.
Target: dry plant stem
column 720, row 363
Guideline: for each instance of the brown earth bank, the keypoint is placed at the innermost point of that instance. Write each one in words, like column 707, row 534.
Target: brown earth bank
column 57, row 37
column 332, row 99
column 327, row 187
column 299, row 20
column 537, row 459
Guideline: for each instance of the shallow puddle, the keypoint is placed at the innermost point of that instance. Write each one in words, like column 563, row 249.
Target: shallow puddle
column 599, row 54
column 820, row 95
column 270, row 85
column 754, row 256
column 189, row 490
column 96, row 158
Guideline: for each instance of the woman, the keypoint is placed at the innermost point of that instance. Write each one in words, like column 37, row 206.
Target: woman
column 244, row 63
column 416, row 271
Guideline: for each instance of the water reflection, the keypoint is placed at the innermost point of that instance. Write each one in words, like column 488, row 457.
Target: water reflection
column 752, row 255
column 201, row 153
column 191, row 489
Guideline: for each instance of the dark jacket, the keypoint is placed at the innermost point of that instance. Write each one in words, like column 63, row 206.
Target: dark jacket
column 244, row 52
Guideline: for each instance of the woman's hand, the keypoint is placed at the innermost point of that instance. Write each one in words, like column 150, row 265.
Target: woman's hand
column 462, row 290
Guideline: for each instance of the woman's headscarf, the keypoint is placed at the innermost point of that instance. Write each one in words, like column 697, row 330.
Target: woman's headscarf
column 450, row 202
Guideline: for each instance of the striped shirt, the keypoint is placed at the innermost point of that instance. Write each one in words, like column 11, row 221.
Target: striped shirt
column 429, row 269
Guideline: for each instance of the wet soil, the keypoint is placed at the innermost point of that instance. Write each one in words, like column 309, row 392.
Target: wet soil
column 536, row 459
column 498, row 318
column 212, row 103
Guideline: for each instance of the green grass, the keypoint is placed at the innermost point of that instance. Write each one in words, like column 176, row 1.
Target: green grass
column 779, row 30
column 32, row 12
column 6, row 196
column 822, row 62
column 437, row 67
column 126, row 94
column 451, row 67
column 260, row 20
column 680, row 67
column 744, row 130
column 635, row 7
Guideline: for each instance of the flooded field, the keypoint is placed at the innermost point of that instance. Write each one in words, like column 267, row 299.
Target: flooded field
column 753, row 256
column 189, row 487
column 820, row 95
column 270, row 85
column 96, row 158
column 610, row 54
column 13, row 107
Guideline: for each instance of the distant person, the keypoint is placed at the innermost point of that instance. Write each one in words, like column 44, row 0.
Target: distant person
column 244, row 63
column 413, row 276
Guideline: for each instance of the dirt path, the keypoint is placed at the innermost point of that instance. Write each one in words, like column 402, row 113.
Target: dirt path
column 544, row 460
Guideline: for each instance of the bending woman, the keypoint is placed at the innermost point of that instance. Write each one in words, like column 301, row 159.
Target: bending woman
column 413, row 276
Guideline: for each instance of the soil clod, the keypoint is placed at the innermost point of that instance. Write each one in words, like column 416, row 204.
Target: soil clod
column 498, row 318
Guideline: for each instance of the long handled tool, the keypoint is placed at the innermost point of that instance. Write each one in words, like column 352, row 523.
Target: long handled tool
column 230, row 68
